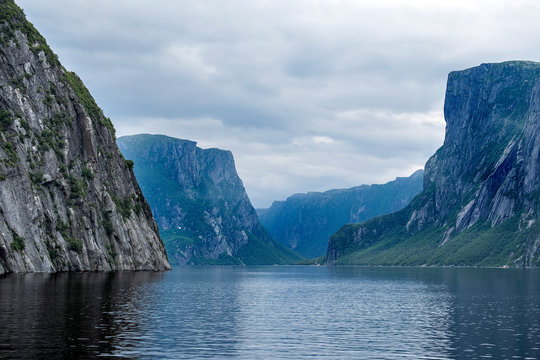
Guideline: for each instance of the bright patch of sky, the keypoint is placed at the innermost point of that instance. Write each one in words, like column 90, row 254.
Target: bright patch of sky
column 309, row 95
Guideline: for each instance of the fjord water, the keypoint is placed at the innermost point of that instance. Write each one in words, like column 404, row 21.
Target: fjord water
column 274, row 312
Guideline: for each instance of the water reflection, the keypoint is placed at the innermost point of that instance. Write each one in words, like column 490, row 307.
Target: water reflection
column 495, row 313
column 64, row 315
column 191, row 314
column 491, row 313
column 274, row 312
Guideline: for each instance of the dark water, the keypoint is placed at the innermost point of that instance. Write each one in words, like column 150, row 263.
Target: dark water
column 274, row 312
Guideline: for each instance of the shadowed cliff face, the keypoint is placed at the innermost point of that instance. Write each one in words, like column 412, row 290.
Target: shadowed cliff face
column 487, row 110
column 304, row 222
column 199, row 203
column 480, row 200
column 68, row 199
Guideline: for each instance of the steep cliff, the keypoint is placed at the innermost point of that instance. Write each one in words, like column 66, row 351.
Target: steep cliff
column 480, row 203
column 68, row 199
column 304, row 222
column 200, row 204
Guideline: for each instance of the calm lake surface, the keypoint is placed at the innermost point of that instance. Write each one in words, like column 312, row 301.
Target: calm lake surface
column 274, row 312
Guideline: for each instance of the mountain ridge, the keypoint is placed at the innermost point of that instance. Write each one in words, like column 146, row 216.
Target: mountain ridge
column 200, row 203
column 305, row 221
column 68, row 199
column 480, row 199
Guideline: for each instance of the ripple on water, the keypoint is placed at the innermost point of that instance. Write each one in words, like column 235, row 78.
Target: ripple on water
column 275, row 312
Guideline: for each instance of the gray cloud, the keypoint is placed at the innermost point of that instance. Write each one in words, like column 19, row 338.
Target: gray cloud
column 309, row 95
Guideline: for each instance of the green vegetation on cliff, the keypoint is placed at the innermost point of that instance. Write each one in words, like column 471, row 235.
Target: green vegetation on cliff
column 60, row 169
column 481, row 245
column 304, row 222
column 200, row 204
column 11, row 19
column 480, row 204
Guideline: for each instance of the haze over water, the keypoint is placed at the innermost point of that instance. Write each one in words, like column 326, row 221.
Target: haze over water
column 283, row 312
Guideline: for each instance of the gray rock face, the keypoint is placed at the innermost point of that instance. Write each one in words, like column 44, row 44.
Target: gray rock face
column 200, row 203
column 491, row 113
column 68, row 199
column 304, row 222
column 485, row 179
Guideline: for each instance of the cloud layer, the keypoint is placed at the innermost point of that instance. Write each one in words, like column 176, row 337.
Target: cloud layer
column 309, row 94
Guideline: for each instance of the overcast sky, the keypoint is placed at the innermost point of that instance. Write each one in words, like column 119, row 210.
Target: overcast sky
column 309, row 95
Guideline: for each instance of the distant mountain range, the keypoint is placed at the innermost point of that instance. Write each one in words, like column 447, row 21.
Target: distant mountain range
column 200, row 204
column 69, row 201
column 480, row 202
column 305, row 222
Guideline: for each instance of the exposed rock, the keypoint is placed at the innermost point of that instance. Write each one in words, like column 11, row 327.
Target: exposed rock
column 68, row 202
column 481, row 191
column 200, row 204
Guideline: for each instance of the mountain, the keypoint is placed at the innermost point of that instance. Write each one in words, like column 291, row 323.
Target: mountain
column 481, row 197
column 200, row 204
column 68, row 199
column 304, row 222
